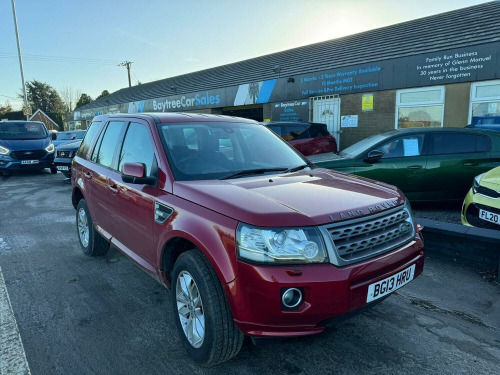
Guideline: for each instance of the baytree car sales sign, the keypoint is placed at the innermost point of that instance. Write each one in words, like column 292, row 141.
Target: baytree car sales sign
column 468, row 64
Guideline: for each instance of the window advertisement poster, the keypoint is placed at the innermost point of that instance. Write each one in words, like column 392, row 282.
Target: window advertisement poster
column 349, row 121
column 367, row 103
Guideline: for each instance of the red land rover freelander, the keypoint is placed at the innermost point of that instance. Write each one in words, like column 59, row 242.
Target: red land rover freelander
column 251, row 237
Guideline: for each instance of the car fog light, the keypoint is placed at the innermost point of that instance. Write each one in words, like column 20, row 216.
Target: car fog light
column 291, row 298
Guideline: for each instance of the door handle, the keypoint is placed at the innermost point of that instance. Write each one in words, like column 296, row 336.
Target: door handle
column 87, row 175
column 113, row 188
column 471, row 164
column 415, row 167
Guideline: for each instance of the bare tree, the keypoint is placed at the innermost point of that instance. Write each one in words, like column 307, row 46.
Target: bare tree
column 70, row 96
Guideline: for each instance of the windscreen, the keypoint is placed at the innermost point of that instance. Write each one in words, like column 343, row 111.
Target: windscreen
column 22, row 130
column 362, row 146
column 66, row 136
column 213, row 150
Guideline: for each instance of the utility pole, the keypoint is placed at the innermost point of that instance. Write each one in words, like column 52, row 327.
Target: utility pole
column 127, row 64
column 20, row 57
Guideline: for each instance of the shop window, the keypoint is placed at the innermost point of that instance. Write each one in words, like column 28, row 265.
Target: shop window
column 420, row 108
column 485, row 103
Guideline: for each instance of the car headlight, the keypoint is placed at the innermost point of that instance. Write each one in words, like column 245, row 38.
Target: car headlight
column 280, row 245
column 50, row 148
column 408, row 207
column 476, row 182
column 4, row 150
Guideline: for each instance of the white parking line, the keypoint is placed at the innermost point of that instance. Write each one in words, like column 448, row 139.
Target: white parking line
column 12, row 357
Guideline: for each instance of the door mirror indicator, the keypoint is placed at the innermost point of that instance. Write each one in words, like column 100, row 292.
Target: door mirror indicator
column 374, row 155
column 135, row 173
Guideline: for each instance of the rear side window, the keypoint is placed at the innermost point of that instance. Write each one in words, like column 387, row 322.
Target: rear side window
column 93, row 130
column 137, row 148
column 482, row 143
column 455, row 143
column 107, row 145
column 295, row 132
column 276, row 129
column 319, row 130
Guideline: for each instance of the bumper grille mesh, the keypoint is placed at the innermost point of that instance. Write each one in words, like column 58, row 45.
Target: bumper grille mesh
column 370, row 237
column 28, row 155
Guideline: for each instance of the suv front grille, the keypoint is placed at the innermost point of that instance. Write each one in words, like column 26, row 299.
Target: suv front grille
column 488, row 192
column 366, row 237
column 28, row 154
column 64, row 154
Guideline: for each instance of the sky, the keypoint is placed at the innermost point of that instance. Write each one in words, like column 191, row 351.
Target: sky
column 78, row 44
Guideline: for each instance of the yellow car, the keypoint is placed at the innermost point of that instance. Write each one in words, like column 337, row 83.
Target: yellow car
column 481, row 206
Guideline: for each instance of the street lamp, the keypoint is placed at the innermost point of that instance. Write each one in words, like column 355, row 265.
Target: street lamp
column 20, row 57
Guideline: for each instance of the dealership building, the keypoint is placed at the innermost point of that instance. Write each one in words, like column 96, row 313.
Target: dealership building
column 442, row 70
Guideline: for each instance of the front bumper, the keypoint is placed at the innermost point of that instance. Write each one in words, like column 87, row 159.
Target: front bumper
column 10, row 164
column 471, row 206
column 330, row 292
column 64, row 162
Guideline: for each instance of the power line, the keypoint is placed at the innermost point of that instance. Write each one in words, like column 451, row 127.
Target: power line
column 63, row 59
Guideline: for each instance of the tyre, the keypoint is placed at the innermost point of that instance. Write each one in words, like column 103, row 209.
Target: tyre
column 201, row 311
column 91, row 242
column 53, row 170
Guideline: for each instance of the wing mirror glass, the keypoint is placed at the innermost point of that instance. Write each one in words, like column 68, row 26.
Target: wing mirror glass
column 135, row 173
column 53, row 136
column 374, row 155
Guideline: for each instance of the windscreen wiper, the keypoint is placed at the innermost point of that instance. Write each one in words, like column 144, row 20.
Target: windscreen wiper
column 295, row 169
column 253, row 171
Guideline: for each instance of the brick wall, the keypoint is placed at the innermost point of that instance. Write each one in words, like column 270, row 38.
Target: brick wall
column 380, row 120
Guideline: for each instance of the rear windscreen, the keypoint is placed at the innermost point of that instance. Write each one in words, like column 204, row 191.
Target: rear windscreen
column 22, row 130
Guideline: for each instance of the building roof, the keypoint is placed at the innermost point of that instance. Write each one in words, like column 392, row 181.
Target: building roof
column 459, row 28
column 44, row 115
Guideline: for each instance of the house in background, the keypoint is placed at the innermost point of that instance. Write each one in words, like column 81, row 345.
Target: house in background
column 41, row 116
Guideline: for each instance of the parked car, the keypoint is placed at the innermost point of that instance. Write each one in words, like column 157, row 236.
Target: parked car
column 64, row 156
column 253, row 241
column 69, row 136
column 25, row 145
column 485, row 125
column 427, row 164
column 306, row 137
column 481, row 206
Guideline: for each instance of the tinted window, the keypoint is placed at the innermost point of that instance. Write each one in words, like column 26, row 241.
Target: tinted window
column 453, row 143
column 107, row 144
column 482, row 143
column 92, row 131
column 22, row 130
column 294, row 132
column 137, row 148
column 276, row 129
column 318, row 130
column 403, row 147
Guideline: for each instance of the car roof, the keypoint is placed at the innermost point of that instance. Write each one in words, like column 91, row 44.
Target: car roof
column 293, row 123
column 440, row 130
column 177, row 117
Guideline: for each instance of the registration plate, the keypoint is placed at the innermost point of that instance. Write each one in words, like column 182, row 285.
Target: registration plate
column 489, row 216
column 62, row 168
column 30, row 161
column 384, row 287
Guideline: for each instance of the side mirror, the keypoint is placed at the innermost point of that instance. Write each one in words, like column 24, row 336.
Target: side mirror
column 374, row 155
column 53, row 136
column 135, row 173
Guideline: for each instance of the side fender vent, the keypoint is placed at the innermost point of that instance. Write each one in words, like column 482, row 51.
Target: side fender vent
column 162, row 213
